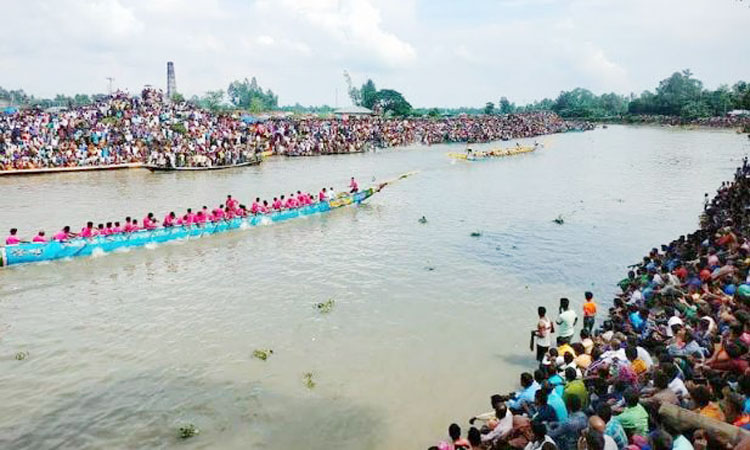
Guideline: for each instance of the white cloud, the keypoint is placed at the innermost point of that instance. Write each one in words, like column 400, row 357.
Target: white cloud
column 435, row 52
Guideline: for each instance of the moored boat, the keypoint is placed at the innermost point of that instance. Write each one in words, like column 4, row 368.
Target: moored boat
column 79, row 247
column 157, row 168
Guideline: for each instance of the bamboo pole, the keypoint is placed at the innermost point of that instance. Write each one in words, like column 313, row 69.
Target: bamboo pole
column 684, row 419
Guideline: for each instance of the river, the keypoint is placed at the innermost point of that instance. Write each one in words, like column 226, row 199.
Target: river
column 428, row 320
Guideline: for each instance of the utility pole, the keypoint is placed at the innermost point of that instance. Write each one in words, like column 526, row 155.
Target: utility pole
column 110, row 79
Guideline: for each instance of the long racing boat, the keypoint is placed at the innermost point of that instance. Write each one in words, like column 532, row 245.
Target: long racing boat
column 79, row 247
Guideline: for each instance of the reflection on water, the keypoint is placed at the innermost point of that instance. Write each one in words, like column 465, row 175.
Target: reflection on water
column 429, row 321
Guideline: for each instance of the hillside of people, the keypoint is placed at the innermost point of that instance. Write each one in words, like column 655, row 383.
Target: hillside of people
column 667, row 368
column 120, row 129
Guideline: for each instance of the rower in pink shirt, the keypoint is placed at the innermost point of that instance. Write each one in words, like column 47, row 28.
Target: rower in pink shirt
column 169, row 220
column 12, row 239
column 291, row 203
column 149, row 222
column 231, row 203
column 218, row 214
column 62, row 235
column 228, row 213
column 323, row 195
column 88, row 231
column 255, row 207
column 264, row 208
column 189, row 218
column 134, row 226
column 206, row 215
column 117, row 229
column 276, row 204
column 108, row 228
column 39, row 238
column 128, row 225
column 353, row 186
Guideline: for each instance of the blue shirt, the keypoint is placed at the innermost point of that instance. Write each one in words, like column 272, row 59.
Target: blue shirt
column 615, row 430
column 557, row 403
column 566, row 433
column 524, row 395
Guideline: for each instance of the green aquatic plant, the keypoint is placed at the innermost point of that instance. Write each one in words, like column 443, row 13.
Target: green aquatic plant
column 559, row 220
column 326, row 306
column 189, row 430
column 262, row 354
column 476, row 233
column 20, row 356
column 308, row 379
column 423, row 220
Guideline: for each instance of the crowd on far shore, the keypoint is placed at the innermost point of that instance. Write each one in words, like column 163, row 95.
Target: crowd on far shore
column 668, row 368
column 739, row 122
column 122, row 129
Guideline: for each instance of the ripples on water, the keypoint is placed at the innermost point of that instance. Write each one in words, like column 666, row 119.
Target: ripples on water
column 428, row 322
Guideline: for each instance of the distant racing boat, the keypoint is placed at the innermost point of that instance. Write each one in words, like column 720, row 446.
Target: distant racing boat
column 498, row 153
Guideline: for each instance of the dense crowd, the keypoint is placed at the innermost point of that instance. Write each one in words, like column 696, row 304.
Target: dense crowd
column 667, row 369
column 739, row 122
column 123, row 129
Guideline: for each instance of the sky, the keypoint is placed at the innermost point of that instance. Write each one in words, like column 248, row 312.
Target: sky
column 445, row 53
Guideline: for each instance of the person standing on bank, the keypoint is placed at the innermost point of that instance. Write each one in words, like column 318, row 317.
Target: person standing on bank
column 566, row 322
column 589, row 312
column 542, row 334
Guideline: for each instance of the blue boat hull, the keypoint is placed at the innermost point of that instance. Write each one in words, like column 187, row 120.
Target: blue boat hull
column 79, row 247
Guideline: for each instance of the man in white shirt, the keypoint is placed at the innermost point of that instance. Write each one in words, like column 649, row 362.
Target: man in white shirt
column 543, row 333
column 566, row 322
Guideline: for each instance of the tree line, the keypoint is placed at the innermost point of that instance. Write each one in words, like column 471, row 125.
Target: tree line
column 680, row 95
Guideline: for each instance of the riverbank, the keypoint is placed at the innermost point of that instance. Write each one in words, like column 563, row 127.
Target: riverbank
column 678, row 334
column 51, row 170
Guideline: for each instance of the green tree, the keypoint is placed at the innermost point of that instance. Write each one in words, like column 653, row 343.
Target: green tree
column 392, row 102
column 212, row 100
column 177, row 97
column 506, row 107
column 676, row 92
column 719, row 101
column 247, row 93
column 695, row 109
column 489, row 108
column 368, row 93
column 434, row 112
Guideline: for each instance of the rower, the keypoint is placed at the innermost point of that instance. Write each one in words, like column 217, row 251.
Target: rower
column 331, row 194
column 148, row 222
column 108, row 228
column 255, row 207
column 353, row 186
column 231, row 203
column 169, row 220
column 117, row 228
column 128, row 225
column 39, row 238
column 100, row 230
column 63, row 235
column 87, row 231
column 323, row 196
column 12, row 239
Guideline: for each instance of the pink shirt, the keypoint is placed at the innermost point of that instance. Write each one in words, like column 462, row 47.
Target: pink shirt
column 12, row 240
column 148, row 223
column 353, row 185
column 116, row 230
column 292, row 203
column 168, row 220
column 322, row 196
column 190, row 219
column 87, row 232
column 38, row 238
column 60, row 236
column 276, row 204
column 255, row 208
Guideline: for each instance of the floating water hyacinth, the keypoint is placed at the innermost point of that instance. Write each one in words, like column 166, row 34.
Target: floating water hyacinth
column 476, row 233
column 20, row 356
column 262, row 354
column 308, row 378
column 188, row 431
column 326, row 306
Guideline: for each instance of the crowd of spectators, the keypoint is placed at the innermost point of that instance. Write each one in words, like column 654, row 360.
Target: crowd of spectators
column 740, row 122
column 667, row 369
column 121, row 129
